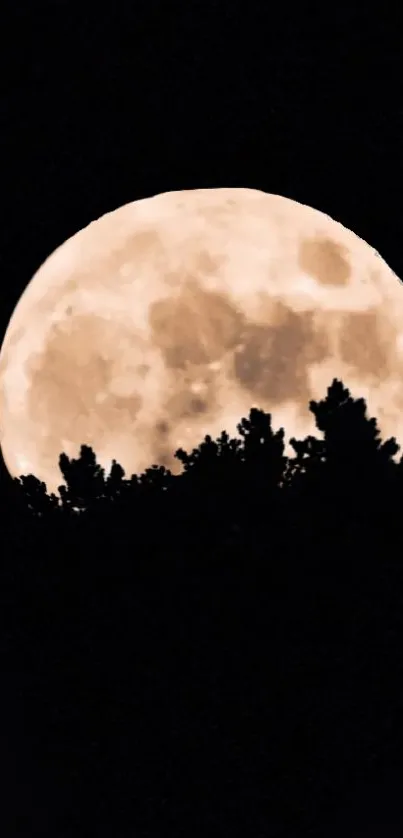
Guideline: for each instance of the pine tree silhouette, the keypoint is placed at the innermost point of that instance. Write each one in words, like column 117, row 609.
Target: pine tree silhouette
column 35, row 495
column 125, row 659
column 245, row 489
column 85, row 480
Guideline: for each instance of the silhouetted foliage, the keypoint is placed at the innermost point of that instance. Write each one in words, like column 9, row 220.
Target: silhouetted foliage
column 354, row 450
column 209, row 651
column 114, row 484
column 84, row 477
column 34, row 493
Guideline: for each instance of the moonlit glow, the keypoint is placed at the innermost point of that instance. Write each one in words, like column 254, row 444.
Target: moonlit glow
column 172, row 316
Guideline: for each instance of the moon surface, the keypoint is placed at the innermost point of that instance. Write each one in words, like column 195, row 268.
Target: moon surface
column 172, row 316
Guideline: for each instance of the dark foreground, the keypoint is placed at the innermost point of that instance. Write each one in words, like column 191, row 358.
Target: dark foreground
column 206, row 669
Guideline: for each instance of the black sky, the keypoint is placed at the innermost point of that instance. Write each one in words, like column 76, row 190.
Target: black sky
column 104, row 105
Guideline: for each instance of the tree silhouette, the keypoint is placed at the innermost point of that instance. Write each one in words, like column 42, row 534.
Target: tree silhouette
column 263, row 471
column 207, row 493
column 185, row 612
column 305, row 470
column 245, row 489
column 359, row 466
column 262, row 451
column 85, row 480
column 235, row 483
column 114, row 484
column 35, row 496
column 352, row 440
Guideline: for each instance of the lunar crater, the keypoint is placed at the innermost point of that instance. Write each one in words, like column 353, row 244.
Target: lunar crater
column 326, row 260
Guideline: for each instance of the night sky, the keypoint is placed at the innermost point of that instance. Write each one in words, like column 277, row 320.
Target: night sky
column 155, row 96
column 107, row 104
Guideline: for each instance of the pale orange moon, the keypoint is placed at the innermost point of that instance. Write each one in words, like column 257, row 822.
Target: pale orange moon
column 172, row 316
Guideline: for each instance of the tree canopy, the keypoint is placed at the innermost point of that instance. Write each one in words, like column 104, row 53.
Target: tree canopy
column 213, row 652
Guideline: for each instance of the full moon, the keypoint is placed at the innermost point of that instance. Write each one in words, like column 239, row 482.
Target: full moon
column 172, row 316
